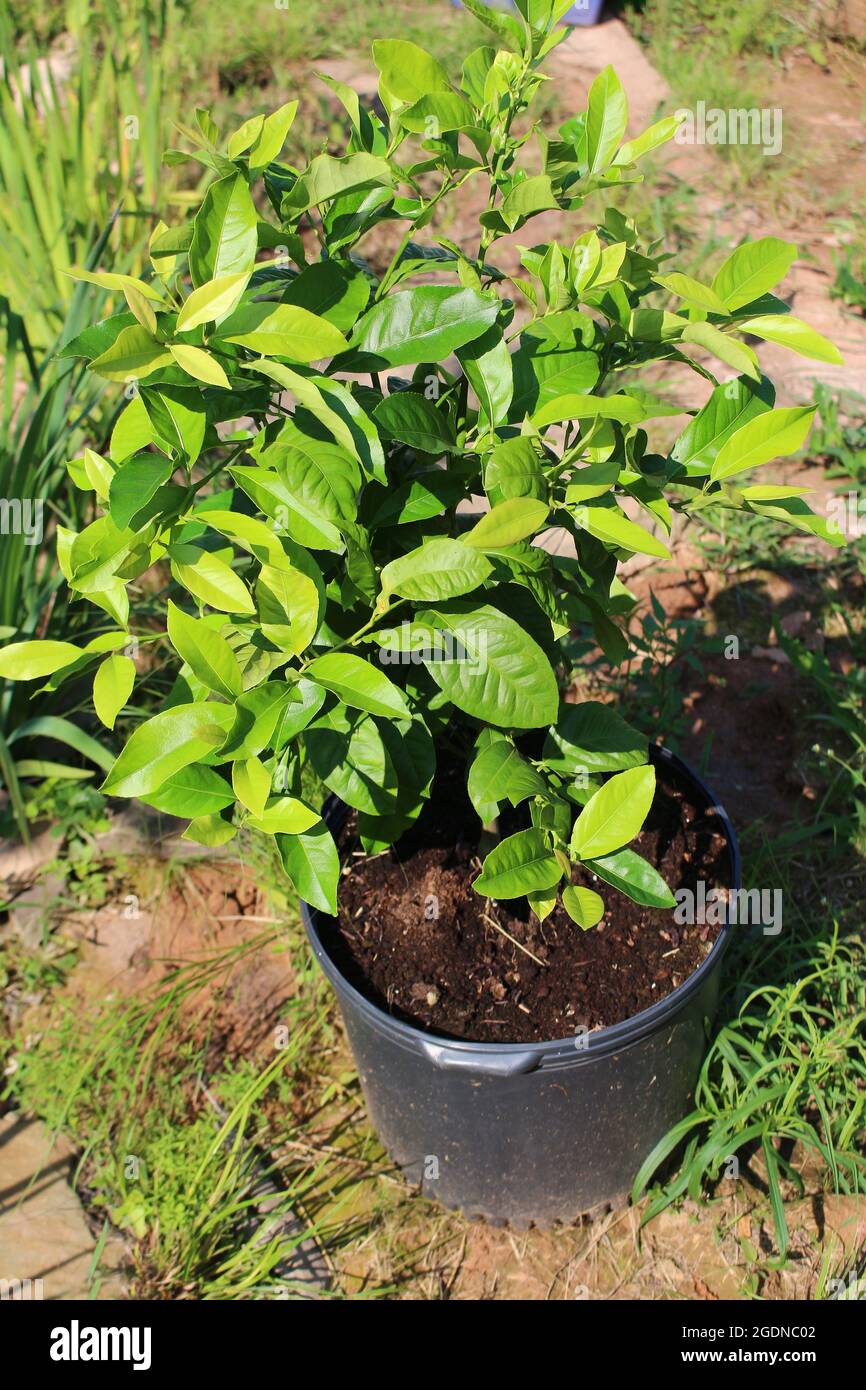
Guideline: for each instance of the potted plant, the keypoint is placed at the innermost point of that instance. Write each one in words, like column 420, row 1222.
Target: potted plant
column 341, row 475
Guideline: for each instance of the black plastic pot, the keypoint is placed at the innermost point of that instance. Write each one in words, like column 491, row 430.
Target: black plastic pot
column 533, row 1133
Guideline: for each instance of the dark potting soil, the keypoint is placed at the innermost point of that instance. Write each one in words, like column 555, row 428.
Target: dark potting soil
column 415, row 938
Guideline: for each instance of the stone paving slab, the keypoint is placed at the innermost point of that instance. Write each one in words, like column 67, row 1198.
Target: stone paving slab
column 44, row 1237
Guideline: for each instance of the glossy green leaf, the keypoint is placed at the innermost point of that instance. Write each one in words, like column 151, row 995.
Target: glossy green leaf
column 507, row 523
column 251, row 783
column 194, row 791
column 167, row 742
column 492, row 669
column 134, row 354
column 211, row 301
column 112, row 687
column 412, row 419
column 773, row 434
column 634, row 876
column 408, row 71
column 358, row 684
column 210, row 580
column 224, row 238
column 312, row 863
column 730, row 406
column 208, row 655
column 607, row 118
column 134, row 484
column 583, row 906
column 283, row 330
column 27, row 661
column 500, row 773
column 793, row 333
column 520, row 864
column 752, row 269
column 612, row 526
column 723, row 346
column 439, row 569
column 614, row 814
column 199, row 364
column 593, row 737
column 423, row 324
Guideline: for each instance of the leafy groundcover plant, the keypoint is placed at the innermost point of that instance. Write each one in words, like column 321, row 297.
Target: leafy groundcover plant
column 304, row 438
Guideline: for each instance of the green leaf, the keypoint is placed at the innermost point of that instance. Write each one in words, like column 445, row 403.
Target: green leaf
column 210, row 580
column 313, row 865
column 272, row 136
column 514, row 469
column 209, row 656
column 693, row 292
column 285, row 816
column 132, row 355
column 134, row 484
column 606, row 120
column 423, row 324
column 288, row 607
column 439, row 569
column 520, row 864
column 614, row 814
column 179, row 417
column 108, row 280
column 133, row 431
column 623, row 408
column 634, row 876
column 283, row 330
column 593, row 737
column 407, row 71
column 194, row 791
column 326, row 178
column 488, row 367
column 650, row 139
column 338, row 293
column 212, row 831
column 258, row 714
column 507, row 523
column 731, row 405
column 27, row 661
column 437, row 113
column 358, row 684
column 199, row 364
column 224, row 239
column 112, row 687
column 492, row 669
column 583, row 906
column 211, row 301
column 159, row 748
column 793, row 333
column 251, row 782
column 771, row 435
column 499, row 772
column 752, row 269
column 612, row 526
column 413, row 420
column 296, row 512
column 727, row 349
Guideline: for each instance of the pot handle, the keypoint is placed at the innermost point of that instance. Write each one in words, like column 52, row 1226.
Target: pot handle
column 506, row 1064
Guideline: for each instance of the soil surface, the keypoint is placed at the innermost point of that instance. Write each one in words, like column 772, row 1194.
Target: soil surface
column 414, row 937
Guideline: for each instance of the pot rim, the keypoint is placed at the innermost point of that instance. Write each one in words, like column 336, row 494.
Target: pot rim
column 613, row 1037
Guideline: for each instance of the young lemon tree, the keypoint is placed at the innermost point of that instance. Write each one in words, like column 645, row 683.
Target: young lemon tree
column 306, row 442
